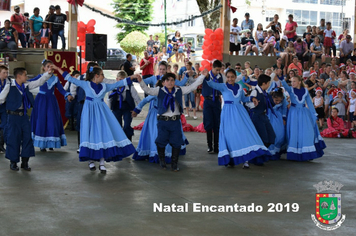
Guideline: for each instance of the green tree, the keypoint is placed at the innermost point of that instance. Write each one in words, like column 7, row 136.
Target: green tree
column 133, row 10
column 134, row 43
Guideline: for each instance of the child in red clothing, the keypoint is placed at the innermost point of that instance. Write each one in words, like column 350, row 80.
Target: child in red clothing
column 329, row 34
column 336, row 128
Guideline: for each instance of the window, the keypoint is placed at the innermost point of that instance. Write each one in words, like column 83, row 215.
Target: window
column 333, row 2
column 306, row 1
column 303, row 19
column 346, row 23
column 192, row 22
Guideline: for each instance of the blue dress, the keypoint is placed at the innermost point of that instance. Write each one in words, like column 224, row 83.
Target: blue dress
column 146, row 148
column 46, row 120
column 276, row 120
column 303, row 137
column 238, row 139
column 100, row 132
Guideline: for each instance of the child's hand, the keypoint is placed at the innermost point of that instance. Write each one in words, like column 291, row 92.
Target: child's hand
column 205, row 72
column 133, row 114
column 139, row 78
column 69, row 98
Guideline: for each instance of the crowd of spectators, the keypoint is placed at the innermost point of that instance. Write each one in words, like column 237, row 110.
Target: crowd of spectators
column 23, row 30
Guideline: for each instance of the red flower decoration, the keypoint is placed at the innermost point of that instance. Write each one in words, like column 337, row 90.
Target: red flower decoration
column 73, row 2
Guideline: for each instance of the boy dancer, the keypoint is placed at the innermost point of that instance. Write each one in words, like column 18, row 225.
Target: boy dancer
column 262, row 101
column 170, row 107
column 4, row 81
column 124, row 100
column 18, row 100
column 212, row 108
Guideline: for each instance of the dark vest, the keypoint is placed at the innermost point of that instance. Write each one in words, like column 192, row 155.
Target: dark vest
column 207, row 91
column 3, row 106
column 262, row 105
column 178, row 98
column 14, row 98
column 80, row 91
column 128, row 103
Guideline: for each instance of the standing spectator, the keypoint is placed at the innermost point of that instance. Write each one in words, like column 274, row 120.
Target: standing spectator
column 320, row 30
column 259, row 32
column 47, row 18
column 146, row 65
column 27, row 29
column 128, row 67
column 57, row 26
column 346, row 48
column 17, row 22
column 235, row 37
column 150, row 42
column 248, row 44
column 157, row 43
column 150, row 51
column 50, row 13
column 275, row 24
column 291, row 29
column 248, row 24
column 329, row 35
column 8, row 37
column 184, row 69
column 176, row 37
column 314, row 33
column 170, row 47
column 35, row 25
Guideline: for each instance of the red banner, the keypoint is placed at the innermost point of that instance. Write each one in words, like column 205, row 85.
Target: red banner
column 68, row 62
column 5, row 5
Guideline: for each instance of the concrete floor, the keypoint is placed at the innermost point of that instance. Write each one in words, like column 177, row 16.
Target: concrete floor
column 62, row 197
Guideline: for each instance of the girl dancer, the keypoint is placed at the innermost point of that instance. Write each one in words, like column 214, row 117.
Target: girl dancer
column 101, row 137
column 304, row 140
column 236, row 149
column 278, row 121
column 46, row 120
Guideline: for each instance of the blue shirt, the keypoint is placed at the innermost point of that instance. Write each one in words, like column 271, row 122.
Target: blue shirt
column 247, row 25
column 37, row 23
column 169, row 48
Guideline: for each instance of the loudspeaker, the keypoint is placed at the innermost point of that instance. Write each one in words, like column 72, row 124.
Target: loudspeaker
column 95, row 47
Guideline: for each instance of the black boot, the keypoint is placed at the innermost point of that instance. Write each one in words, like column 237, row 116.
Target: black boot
column 209, row 136
column 216, row 142
column 175, row 155
column 2, row 149
column 24, row 164
column 13, row 166
column 162, row 157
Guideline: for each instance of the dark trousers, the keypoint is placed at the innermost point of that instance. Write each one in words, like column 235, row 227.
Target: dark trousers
column 3, row 124
column 19, row 138
column 55, row 39
column 126, row 115
column 169, row 132
column 22, row 38
column 264, row 128
column 344, row 59
column 211, row 115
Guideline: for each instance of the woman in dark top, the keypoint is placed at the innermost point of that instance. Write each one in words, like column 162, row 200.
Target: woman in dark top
column 176, row 37
column 275, row 25
column 312, row 83
column 8, row 37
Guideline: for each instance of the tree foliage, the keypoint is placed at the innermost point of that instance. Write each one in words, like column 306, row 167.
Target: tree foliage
column 134, row 43
column 134, row 10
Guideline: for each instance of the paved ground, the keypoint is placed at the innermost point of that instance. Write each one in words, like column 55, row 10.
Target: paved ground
column 62, row 197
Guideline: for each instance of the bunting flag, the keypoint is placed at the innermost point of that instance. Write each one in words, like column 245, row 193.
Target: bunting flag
column 74, row 2
column 233, row 9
